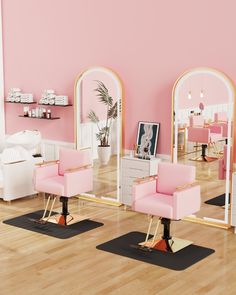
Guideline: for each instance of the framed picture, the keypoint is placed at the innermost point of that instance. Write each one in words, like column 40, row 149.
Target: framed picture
column 147, row 139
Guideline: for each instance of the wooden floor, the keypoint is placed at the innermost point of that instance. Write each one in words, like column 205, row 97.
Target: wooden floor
column 105, row 179
column 32, row 264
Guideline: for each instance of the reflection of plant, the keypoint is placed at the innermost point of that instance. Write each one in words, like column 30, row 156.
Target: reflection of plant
column 104, row 97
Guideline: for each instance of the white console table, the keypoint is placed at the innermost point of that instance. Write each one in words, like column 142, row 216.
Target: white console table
column 131, row 169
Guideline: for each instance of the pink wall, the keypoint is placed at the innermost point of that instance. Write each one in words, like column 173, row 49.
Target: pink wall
column 148, row 42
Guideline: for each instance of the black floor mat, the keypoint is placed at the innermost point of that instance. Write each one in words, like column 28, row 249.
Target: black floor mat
column 50, row 229
column 217, row 201
column 180, row 260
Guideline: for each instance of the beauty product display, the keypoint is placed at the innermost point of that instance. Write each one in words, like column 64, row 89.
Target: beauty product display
column 27, row 98
column 37, row 113
column 50, row 98
column 61, row 100
column 26, row 111
column 15, row 95
column 44, row 114
column 49, row 116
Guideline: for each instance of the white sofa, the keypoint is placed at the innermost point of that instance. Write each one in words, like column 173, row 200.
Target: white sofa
column 16, row 174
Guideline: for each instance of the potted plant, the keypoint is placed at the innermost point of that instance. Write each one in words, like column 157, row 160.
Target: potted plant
column 104, row 148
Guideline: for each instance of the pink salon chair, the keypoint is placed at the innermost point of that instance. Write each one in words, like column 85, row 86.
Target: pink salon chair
column 223, row 164
column 172, row 195
column 221, row 119
column 70, row 176
column 207, row 135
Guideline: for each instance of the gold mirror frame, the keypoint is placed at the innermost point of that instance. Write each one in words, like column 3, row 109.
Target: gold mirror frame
column 226, row 223
column 120, row 136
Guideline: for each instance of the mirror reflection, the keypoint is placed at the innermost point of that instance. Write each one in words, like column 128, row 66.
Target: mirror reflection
column 98, row 127
column 203, row 104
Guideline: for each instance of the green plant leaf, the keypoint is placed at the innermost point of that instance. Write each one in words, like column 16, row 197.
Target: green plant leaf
column 93, row 117
column 112, row 112
column 103, row 94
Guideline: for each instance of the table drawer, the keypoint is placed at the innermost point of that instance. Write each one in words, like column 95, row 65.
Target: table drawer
column 135, row 164
column 135, row 173
column 126, row 188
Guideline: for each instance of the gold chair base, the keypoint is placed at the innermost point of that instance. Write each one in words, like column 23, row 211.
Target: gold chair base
column 72, row 218
column 173, row 245
column 204, row 159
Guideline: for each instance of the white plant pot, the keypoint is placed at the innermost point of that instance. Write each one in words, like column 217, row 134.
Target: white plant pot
column 104, row 154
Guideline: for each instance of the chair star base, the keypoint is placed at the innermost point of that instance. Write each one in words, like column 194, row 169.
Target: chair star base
column 171, row 245
column 204, row 159
column 60, row 219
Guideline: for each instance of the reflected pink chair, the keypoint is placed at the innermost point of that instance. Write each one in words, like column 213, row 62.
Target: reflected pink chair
column 198, row 132
column 70, row 176
column 221, row 119
column 223, row 164
column 172, row 196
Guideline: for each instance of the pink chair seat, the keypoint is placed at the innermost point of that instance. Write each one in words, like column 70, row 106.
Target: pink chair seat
column 70, row 176
column 172, row 195
column 157, row 204
column 54, row 185
column 57, row 179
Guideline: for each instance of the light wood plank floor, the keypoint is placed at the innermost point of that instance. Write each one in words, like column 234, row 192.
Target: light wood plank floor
column 32, row 264
column 105, row 179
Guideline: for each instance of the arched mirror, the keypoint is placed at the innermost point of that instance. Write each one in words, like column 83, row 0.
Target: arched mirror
column 203, row 104
column 98, row 125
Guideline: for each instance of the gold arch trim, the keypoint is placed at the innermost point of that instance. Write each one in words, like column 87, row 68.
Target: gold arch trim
column 233, row 88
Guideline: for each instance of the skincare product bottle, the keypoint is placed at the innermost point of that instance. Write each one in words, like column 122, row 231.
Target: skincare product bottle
column 26, row 111
column 49, row 114
column 44, row 113
column 37, row 112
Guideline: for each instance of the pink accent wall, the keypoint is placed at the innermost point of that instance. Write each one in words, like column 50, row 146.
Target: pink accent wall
column 148, row 42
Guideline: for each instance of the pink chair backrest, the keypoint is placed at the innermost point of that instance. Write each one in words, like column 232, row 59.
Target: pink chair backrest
column 221, row 116
column 198, row 134
column 69, row 159
column 196, row 121
column 171, row 175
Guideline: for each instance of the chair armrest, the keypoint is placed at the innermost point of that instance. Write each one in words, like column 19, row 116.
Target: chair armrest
column 47, row 163
column 46, row 171
column 78, row 182
column 187, row 185
column 186, row 201
column 140, row 190
column 77, row 169
column 145, row 179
